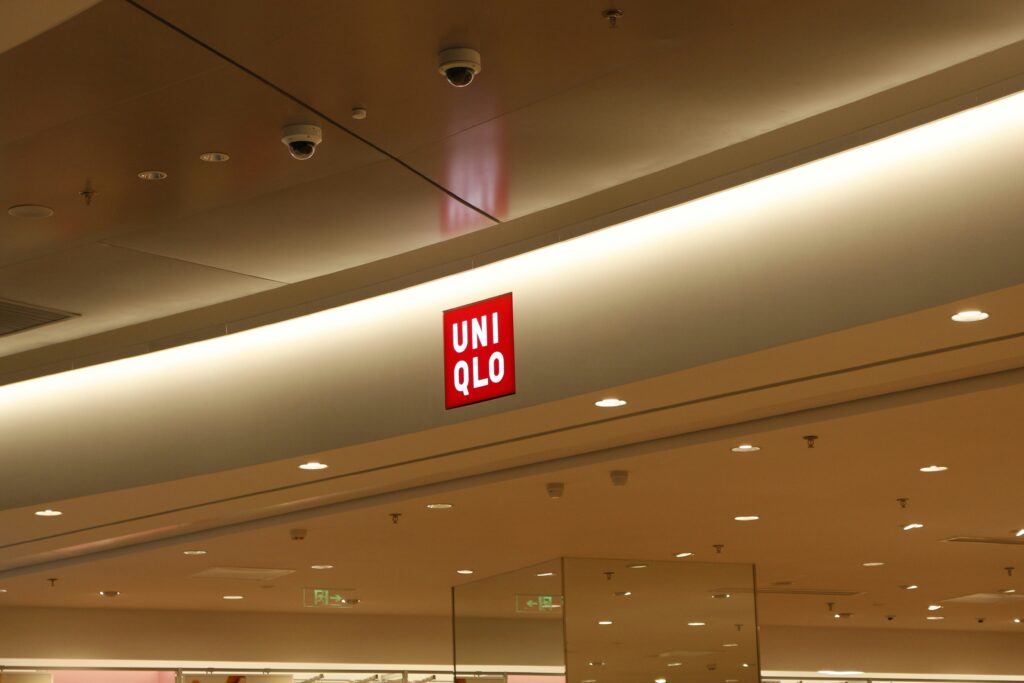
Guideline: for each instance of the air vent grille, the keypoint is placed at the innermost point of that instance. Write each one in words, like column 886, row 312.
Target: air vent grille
column 17, row 317
column 1010, row 540
column 243, row 573
column 786, row 590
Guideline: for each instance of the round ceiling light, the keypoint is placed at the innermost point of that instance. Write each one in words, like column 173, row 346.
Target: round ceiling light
column 636, row 566
column 910, row 587
column 152, row 175
column 48, row 513
column 313, row 465
column 193, row 552
column 465, row 572
column 1018, row 533
column 605, row 622
column 439, row 506
column 934, row 468
column 730, row 644
column 934, row 608
column 935, row 618
column 696, row 623
column 213, row 157
column 545, row 573
column 746, row 448
column 110, row 594
column 3, row 590
column 322, row 566
column 674, row 664
column 912, row 526
column 30, row 211
column 609, row 403
column 682, row 555
column 747, row 518
column 873, row 564
column 972, row 316
column 234, row 597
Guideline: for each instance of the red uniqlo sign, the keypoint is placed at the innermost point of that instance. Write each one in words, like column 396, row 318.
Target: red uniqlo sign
column 479, row 358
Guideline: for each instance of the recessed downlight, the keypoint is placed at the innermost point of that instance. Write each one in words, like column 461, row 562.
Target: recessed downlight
column 605, row 622
column 214, row 157
column 659, row 680
column 193, row 553
column 745, row 665
column 934, row 618
column 747, row 518
column 730, row 644
column 439, row 506
column 674, row 664
column 971, row 316
column 695, row 623
column 1019, row 533
column 30, row 211
column 543, row 574
column 3, row 590
column 1016, row 620
column 912, row 526
column 873, row 564
column 746, row 448
column 48, row 513
column 152, row 175
column 934, row 608
column 1008, row 591
column 934, row 468
column 110, row 594
column 910, row 587
column 636, row 566
column 609, row 403
column 313, row 465
column 595, row 663
column 683, row 554
column 234, row 597
column 321, row 566
column 464, row 572
column 623, row 594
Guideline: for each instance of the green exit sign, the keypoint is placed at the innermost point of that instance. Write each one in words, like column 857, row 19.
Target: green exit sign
column 332, row 598
column 538, row 603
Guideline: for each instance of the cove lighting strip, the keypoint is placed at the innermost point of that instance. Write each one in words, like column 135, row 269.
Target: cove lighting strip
column 939, row 141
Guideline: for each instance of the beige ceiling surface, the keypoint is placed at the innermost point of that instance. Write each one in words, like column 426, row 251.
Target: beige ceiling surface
column 897, row 355
column 824, row 512
column 565, row 107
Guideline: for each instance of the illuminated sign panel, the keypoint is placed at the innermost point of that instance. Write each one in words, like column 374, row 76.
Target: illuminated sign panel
column 479, row 356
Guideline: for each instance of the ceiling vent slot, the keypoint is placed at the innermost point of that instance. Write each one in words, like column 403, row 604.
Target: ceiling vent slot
column 243, row 573
column 982, row 539
column 777, row 590
column 18, row 317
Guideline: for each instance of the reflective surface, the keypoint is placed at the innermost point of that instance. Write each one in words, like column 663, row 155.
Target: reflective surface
column 680, row 621
column 611, row 621
column 511, row 623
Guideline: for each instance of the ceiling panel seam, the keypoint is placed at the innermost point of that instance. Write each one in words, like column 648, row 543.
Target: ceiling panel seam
column 310, row 107
column 964, row 384
column 191, row 263
column 618, row 452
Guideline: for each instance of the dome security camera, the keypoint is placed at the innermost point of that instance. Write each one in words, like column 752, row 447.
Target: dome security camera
column 459, row 65
column 301, row 139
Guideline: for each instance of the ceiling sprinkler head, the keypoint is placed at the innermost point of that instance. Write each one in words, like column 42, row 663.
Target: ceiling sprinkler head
column 555, row 489
column 619, row 477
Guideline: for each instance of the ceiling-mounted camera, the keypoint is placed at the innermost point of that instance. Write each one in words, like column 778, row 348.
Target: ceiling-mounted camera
column 301, row 139
column 459, row 65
